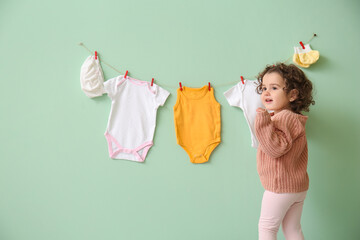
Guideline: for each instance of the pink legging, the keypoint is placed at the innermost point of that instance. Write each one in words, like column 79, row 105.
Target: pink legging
column 285, row 208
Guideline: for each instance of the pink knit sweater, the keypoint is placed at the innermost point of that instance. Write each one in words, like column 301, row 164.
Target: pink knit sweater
column 282, row 155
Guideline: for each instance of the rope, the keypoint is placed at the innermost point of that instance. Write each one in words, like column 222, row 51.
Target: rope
column 175, row 87
column 101, row 61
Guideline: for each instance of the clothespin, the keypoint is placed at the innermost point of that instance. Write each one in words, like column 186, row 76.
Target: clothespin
column 242, row 79
column 180, row 86
column 126, row 73
column 302, row 45
column 95, row 55
column 209, row 87
column 152, row 81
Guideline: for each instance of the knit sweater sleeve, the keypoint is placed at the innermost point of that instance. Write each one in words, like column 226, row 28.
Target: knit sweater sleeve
column 276, row 137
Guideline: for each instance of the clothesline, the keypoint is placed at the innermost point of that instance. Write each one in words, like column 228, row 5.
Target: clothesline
column 175, row 87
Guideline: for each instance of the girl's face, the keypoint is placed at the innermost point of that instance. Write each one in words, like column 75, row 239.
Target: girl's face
column 274, row 96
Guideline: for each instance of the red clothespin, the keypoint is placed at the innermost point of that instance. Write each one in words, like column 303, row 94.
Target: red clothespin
column 152, row 81
column 302, row 45
column 180, row 86
column 242, row 79
column 126, row 73
column 95, row 55
column 209, row 87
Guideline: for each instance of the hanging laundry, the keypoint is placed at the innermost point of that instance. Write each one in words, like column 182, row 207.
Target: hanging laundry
column 197, row 122
column 244, row 96
column 92, row 77
column 132, row 118
column 305, row 56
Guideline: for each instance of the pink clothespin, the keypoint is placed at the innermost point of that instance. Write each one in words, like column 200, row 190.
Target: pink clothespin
column 180, row 86
column 152, row 81
column 242, row 79
column 126, row 73
column 302, row 45
column 209, row 86
column 95, row 55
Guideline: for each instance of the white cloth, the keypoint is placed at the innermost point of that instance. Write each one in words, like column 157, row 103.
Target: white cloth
column 92, row 77
column 245, row 97
column 132, row 120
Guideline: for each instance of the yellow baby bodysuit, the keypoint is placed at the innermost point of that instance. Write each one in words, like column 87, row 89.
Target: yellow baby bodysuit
column 197, row 122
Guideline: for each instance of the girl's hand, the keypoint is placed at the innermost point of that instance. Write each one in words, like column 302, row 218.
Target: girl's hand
column 260, row 110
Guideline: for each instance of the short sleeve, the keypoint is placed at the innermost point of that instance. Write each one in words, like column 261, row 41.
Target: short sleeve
column 160, row 96
column 110, row 87
column 234, row 96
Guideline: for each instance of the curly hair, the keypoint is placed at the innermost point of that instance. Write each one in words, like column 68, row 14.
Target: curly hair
column 294, row 78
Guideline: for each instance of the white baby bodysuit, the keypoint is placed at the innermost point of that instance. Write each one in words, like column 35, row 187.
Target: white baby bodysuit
column 245, row 97
column 132, row 120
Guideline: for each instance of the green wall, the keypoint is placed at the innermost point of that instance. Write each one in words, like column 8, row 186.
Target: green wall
column 56, row 179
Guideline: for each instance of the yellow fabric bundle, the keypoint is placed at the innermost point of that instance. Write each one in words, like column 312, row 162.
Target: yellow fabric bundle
column 305, row 57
